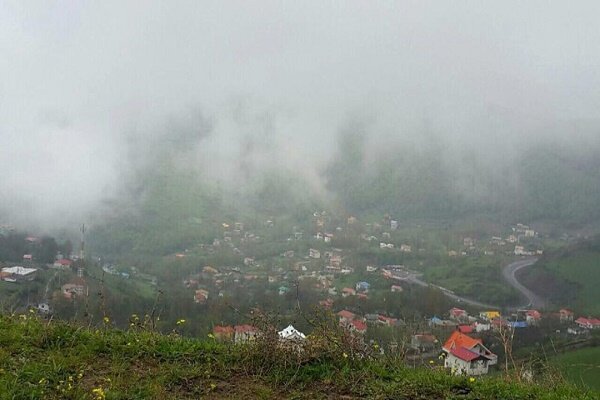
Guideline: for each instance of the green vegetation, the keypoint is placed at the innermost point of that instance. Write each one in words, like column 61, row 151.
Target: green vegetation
column 570, row 277
column 56, row 360
column 581, row 367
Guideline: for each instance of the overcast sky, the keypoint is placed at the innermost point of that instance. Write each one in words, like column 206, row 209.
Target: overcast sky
column 80, row 78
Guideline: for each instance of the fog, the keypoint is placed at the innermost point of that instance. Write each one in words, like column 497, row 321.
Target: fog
column 93, row 91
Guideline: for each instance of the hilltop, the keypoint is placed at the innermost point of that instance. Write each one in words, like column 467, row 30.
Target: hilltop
column 59, row 360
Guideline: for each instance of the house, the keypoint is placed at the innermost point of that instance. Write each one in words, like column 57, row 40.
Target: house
column 466, row 355
column 482, row 326
column 327, row 303
column 396, row 289
column 72, row 290
column 346, row 316
column 436, row 321
column 363, row 287
column 245, row 333
column 533, row 317
column 393, row 224
column 372, row 318
column 588, row 323
column 358, row 326
column 283, row 290
column 201, row 296
column 27, row 257
column 292, row 334
column 18, row 274
column 210, row 270
column 468, row 242
column 466, row 329
column 388, row 321
column 386, row 245
column 458, row 314
column 248, row 261
column 423, row 342
column 63, row 263
column 223, row 333
column 489, row 315
column 405, row 248
column 335, row 260
column 348, row 292
column 565, row 315
column 313, row 253
column 452, row 253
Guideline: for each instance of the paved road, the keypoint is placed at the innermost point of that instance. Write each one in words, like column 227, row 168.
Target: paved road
column 451, row 295
column 509, row 272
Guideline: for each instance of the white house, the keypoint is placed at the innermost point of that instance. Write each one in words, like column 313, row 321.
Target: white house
column 291, row 333
column 462, row 361
column 18, row 274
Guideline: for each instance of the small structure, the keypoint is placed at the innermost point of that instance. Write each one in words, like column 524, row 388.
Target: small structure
column 348, row 292
column 489, row 315
column 423, row 342
column 363, row 287
column 18, row 274
column 346, row 316
column 397, row 288
column 292, row 334
column 314, row 253
column 245, row 333
column 63, row 263
column 588, row 323
column 565, row 315
column 72, row 290
column 458, row 314
column 405, row 248
column 201, row 296
column 223, row 333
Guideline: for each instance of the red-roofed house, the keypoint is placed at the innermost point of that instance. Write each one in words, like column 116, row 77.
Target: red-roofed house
column 346, row 316
column 358, row 326
column 533, row 317
column 348, row 292
column 245, row 333
column 466, row 329
column 223, row 332
column 565, row 315
column 201, row 296
column 388, row 321
column 467, row 356
column 588, row 323
column 63, row 263
column 458, row 314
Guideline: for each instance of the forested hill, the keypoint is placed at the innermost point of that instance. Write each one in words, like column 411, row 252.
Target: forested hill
column 544, row 181
column 168, row 206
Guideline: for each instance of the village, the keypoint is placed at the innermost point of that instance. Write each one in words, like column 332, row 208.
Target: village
column 339, row 267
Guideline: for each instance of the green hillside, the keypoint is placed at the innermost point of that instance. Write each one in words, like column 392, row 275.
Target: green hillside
column 582, row 367
column 569, row 277
column 56, row 360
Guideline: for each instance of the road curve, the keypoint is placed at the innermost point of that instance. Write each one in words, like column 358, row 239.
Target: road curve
column 509, row 272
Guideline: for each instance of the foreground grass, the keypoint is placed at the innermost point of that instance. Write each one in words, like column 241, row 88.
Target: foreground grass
column 63, row 361
column 581, row 367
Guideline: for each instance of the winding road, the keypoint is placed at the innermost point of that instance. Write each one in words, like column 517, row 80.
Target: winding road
column 509, row 272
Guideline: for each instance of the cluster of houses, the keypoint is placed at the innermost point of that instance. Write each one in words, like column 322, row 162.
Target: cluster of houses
column 245, row 333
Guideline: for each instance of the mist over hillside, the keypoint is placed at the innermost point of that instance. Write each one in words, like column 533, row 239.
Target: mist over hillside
column 408, row 108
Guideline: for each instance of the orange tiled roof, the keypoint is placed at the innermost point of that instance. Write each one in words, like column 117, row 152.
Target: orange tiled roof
column 458, row 339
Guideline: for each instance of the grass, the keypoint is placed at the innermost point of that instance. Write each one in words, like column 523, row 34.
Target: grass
column 582, row 367
column 56, row 360
column 582, row 268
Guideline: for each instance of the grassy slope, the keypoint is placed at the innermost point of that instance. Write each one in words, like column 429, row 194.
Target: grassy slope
column 581, row 367
column 583, row 269
column 570, row 278
column 61, row 361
